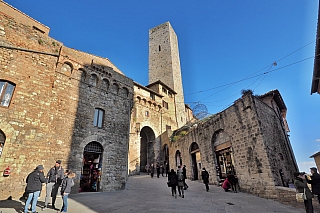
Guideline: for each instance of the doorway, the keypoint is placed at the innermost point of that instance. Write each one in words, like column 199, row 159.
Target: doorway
column 195, row 160
column 91, row 169
column 147, row 155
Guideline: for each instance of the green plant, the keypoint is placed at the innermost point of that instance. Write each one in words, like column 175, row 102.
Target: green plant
column 40, row 41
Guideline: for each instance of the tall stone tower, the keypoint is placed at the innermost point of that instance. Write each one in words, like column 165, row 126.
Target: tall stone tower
column 164, row 65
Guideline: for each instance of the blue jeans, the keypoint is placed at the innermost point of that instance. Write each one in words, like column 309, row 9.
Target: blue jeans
column 34, row 196
column 65, row 203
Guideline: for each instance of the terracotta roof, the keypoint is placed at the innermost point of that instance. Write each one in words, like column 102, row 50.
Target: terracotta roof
column 163, row 84
column 314, row 155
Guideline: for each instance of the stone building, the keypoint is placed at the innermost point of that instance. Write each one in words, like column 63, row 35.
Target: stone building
column 315, row 84
column 59, row 103
column 159, row 106
column 248, row 139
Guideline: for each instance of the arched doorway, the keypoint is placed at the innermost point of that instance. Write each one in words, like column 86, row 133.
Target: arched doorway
column 195, row 160
column 178, row 158
column 166, row 155
column 92, row 165
column 147, row 155
column 2, row 141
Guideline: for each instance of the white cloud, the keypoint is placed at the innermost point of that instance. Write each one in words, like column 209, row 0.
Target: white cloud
column 305, row 166
column 318, row 140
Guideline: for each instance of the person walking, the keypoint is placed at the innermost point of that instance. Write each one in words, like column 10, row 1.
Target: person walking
column 301, row 186
column 34, row 185
column 315, row 182
column 66, row 185
column 167, row 169
column 158, row 170
column 148, row 168
column 55, row 176
column 205, row 178
column 172, row 179
column 184, row 172
column 152, row 170
column 180, row 182
column 162, row 169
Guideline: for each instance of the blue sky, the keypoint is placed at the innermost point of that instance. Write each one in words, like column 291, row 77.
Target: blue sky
column 220, row 42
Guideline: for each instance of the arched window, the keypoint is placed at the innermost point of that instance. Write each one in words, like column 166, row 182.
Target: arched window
column 115, row 88
column 105, row 84
column 2, row 140
column 6, row 92
column 93, row 80
column 66, row 69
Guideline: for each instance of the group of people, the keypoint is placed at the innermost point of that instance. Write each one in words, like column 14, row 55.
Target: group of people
column 159, row 168
column 301, row 182
column 55, row 178
column 178, row 179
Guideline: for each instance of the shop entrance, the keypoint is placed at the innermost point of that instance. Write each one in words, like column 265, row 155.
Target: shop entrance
column 195, row 160
column 91, row 170
column 225, row 163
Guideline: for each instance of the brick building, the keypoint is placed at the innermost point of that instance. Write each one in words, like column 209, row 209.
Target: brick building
column 59, row 103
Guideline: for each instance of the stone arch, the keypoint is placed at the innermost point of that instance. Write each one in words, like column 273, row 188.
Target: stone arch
column 178, row 158
column 105, row 84
column 147, row 152
column 2, row 141
column 9, row 134
column 195, row 160
column 93, row 80
column 82, row 74
column 115, row 88
column 222, row 149
column 92, row 167
column 124, row 92
column 67, row 68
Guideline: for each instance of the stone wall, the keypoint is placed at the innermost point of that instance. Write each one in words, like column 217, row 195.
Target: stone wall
column 252, row 138
column 51, row 113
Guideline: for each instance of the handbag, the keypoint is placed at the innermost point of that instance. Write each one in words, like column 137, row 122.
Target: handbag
column 169, row 184
column 300, row 197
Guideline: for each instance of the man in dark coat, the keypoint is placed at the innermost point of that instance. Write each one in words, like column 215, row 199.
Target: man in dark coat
column 315, row 182
column 205, row 178
column 34, row 185
column 55, row 176
column 184, row 172
column 173, row 182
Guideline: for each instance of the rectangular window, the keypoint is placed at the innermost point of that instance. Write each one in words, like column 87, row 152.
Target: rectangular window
column 170, row 94
column 147, row 113
column 168, row 127
column 152, row 97
column 164, row 90
column 165, row 105
column 6, row 92
column 98, row 117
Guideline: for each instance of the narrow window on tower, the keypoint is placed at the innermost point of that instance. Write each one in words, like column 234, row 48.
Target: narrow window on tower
column 159, row 48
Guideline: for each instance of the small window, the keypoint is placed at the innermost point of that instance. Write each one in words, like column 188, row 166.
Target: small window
column 159, row 48
column 152, row 97
column 170, row 94
column 6, row 92
column 2, row 140
column 168, row 127
column 98, row 117
column 147, row 113
column 164, row 90
column 165, row 104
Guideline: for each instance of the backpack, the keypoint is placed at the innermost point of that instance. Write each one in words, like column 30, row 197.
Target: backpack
column 180, row 176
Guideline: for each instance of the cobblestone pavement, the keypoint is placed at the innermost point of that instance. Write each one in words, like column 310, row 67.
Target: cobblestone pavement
column 145, row 194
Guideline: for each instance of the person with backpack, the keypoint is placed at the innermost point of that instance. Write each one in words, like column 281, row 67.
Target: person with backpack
column 205, row 178
column 180, row 178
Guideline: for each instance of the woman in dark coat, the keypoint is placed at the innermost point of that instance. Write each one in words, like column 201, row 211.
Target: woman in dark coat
column 172, row 178
column 205, row 178
column 300, row 184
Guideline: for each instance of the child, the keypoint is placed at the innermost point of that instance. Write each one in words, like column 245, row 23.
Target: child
column 66, row 185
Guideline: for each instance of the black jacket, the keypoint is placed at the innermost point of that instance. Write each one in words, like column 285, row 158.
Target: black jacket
column 172, row 177
column 205, row 176
column 55, row 175
column 34, row 181
column 66, row 185
column 315, row 183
